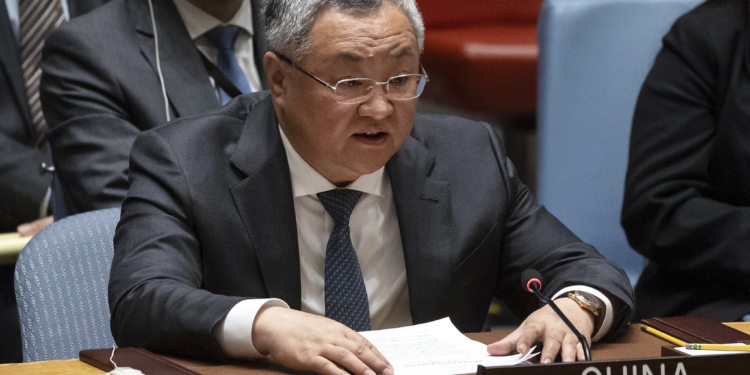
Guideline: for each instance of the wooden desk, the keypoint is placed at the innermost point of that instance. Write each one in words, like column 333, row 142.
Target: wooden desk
column 634, row 344
column 63, row 367
column 10, row 246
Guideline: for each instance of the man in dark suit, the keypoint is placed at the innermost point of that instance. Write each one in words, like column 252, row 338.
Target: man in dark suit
column 687, row 192
column 23, row 184
column 331, row 196
column 101, row 85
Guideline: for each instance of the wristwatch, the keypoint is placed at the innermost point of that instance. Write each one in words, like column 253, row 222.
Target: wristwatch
column 589, row 302
column 586, row 301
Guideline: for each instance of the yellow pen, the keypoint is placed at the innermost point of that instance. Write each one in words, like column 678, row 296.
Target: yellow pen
column 662, row 335
column 744, row 348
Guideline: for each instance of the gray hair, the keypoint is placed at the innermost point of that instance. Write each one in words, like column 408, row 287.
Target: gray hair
column 289, row 22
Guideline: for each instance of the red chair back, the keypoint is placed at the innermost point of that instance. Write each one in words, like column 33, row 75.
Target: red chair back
column 447, row 13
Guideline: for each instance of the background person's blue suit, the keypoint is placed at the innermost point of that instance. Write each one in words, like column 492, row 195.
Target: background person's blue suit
column 209, row 221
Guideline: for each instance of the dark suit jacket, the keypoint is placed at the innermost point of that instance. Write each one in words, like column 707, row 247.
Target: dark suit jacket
column 209, row 220
column 22, row 183
column 100, row 89
column 688, row 184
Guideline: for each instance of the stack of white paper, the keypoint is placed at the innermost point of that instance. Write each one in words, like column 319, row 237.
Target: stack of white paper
column 436, row 348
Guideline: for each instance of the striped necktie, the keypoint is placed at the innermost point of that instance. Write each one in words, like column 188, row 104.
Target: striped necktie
column 37, row 19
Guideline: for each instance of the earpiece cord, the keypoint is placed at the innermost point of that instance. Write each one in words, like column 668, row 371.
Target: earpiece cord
column 158, row 62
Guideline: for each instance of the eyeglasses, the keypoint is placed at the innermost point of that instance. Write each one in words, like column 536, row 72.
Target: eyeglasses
column 358, row 90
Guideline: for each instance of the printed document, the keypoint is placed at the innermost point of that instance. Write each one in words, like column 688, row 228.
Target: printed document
column 436, row 348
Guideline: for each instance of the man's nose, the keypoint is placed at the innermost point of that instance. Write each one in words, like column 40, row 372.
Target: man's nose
column 377, row 105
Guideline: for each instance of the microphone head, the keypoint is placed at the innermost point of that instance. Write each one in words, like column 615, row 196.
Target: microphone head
column 531, row 276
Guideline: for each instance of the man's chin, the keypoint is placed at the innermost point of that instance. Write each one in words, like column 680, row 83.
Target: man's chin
column 368, row 165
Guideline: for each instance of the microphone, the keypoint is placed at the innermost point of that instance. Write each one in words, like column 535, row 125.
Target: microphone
column 531, row 280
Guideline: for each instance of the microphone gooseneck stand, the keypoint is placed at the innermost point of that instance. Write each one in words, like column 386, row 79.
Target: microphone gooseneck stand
column 581, row 339
column 531, row 280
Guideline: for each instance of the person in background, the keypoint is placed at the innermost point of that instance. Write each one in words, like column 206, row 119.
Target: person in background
column 102, row 85
column 24, row 185
column 687, row 192
column 283, row 223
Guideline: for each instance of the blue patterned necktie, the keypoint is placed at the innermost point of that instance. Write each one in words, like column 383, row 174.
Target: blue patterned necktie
column 224, row 38
column 345, row 293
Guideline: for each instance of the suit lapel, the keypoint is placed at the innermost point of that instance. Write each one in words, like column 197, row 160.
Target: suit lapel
column 185, row 77
column 265, row 202
column 10, row 59
column 423, row 206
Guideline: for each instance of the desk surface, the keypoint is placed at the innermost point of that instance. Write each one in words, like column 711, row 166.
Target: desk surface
column 10, row 245
column 63, row 367
column 634, row 344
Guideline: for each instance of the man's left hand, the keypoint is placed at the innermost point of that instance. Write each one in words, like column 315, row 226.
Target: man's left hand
column 545, row 326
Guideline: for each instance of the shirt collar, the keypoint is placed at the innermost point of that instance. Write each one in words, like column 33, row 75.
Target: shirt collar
column 307, row 181
column 199, row 22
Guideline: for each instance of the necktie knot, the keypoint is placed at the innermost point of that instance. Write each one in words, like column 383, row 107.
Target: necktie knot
column 223, row 37
column 339, row 203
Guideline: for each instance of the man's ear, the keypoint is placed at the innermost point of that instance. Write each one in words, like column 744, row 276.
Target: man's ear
column 276, row 75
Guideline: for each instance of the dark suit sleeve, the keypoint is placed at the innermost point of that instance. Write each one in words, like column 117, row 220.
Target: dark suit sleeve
column 22, row 183
column 535, row 239
column 90, row 131
column 671, row 213
column 155, row 293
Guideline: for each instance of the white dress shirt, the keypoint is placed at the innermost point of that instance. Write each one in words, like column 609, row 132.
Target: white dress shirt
column 199, row 22
column 376, row 239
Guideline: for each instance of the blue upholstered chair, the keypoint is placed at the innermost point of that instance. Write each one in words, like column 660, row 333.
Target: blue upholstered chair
column 593, row 58
column 61, row 287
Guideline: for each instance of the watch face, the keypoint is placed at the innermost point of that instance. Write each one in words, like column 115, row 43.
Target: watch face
column 584, row 300
column 590, row 303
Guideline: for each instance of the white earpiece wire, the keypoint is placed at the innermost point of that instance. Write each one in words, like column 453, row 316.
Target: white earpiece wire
column 158, row 62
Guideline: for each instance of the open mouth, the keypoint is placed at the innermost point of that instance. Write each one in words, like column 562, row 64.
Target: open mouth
column 373, row 136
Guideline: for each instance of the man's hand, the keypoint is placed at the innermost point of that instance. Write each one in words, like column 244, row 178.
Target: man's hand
column 545, row 326
column 303, row 341
column 34, row 227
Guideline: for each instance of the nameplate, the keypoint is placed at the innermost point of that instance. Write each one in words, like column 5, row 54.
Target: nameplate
column 713, row 365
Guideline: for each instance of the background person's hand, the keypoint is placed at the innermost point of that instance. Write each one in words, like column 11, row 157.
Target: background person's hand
column 34, row 227
column 308, row 342
column 546, row 327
